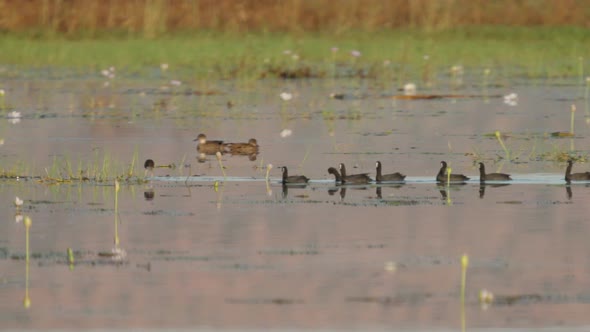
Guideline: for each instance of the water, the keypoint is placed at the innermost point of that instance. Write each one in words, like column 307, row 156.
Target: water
column 195, row 249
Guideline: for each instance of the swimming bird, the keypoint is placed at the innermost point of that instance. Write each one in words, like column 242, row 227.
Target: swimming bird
column 209, row 147
column 491, row 176
column 388, row 177
column 244, row 148
column 149, row 166
column 353, row 178
column 334, row 172
column 576, row 176
column 293, row 178
column 442, row 174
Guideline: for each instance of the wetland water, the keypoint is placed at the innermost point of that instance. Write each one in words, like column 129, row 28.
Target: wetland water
column 244, row 254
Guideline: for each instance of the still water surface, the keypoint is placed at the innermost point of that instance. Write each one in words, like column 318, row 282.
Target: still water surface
column 197, row 250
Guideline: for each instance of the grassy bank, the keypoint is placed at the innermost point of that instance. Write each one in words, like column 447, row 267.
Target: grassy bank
column 514, row 51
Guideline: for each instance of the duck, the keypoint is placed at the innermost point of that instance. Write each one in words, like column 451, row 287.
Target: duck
column 483, row 177
column 442, row 175
column 244, row 148
column 293, row 178
column 353, row 178
column 209, row 147
column 334, row 172
column 388, row 177
column 576, row 176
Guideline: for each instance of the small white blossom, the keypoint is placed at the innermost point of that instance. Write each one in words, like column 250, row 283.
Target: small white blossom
column 410, row 89
column 286, row 133
column 164, row 66
column 511, row 99
column 286, row 96
column 175, row 82
column 18, row 202
column 355, row 53
column 14, row 115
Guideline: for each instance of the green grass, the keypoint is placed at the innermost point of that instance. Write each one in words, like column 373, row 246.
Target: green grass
column 535, row 52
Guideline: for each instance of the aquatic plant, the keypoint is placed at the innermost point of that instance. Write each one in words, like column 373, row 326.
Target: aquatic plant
column 28, row 223
column 464, row 264
column 499, row 138
column 218, row 156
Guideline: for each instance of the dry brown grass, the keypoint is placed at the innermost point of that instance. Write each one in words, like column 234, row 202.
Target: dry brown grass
column 154, row 17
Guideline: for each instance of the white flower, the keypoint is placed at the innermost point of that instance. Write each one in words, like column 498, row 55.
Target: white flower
column 286, row 133
column 355, row 53
column 105, row 72
column 286, row 96
column 118, row 254
column 14, row 115
column 18, row 218
column 18, row 201
column 511, row 99
column 295, row 57
column 410, row 89
column 175, row 82
column 2, row 92
column 164, row 66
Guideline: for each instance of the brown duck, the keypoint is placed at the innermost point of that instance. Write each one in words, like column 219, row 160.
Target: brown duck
column 209, row 147
column 244, row 148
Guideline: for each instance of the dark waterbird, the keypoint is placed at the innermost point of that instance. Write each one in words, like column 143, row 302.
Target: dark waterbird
column 149, row 164
column 388, row 177
column 353, row 178
column 299, row 179
column 576, row 176
column 491, row 176
column 209, row 147
column 443, row 177
column 334, row 172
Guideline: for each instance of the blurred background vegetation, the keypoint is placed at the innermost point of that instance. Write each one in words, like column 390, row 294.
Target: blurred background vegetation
column 154, row 18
